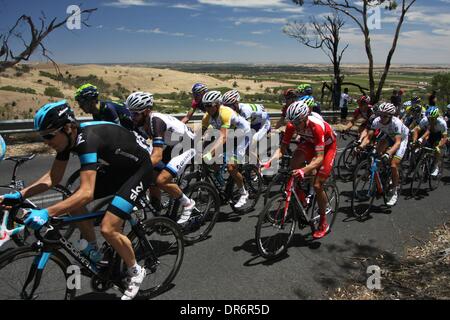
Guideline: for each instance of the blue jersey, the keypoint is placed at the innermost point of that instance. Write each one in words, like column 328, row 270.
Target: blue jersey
column 114, row 112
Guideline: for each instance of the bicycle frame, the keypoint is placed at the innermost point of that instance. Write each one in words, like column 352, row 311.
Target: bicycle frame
column 47, row 248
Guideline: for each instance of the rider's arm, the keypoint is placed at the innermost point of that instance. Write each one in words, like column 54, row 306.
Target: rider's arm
column 157, row 154
column 280, row 122
column 80, row 198
column 316, row 163
column 366, row 139
column 415, row 134
column 48, row 180
column 396, row 146
column 188, row 116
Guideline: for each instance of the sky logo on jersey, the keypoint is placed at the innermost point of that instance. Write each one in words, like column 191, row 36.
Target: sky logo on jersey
column 135, row 192
column 80, row 139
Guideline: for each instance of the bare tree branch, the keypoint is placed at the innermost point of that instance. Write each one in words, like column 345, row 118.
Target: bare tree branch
column 37, row 37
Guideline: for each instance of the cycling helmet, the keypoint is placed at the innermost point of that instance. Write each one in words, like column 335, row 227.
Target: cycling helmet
column 297, row 111
column 407, row 103
column 416, row 108
column 290, row 93
column 448, row 107
column 231, row 97
column 199, row 88
column 2, row 148
column 416, row 100
column 307, row 90
column 364, row 99
column 53, row 116
column 212, row 97
column 432, row 112
column 309, row 100
column 86, row 92
column 139, row 101
column 387, row 108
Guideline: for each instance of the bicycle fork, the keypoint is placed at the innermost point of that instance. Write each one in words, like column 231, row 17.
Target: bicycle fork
column 35, row 273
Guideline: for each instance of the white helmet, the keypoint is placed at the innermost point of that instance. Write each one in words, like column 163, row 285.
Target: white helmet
column 139, row 101
column 448, row 107
column 387, row 108
column 212, row 97
column 297, row 111
column 231, row 97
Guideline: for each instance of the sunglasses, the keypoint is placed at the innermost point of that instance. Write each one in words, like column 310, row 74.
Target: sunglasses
column 50, row 135
column 136, row 113
column 209, row 105
column 296, row 122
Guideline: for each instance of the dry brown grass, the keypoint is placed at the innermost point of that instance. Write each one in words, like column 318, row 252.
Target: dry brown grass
column 424, row 273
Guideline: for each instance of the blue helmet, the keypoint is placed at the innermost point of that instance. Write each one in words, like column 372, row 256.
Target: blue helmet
column 2, row 148
column 199, row 88
column 432, row 112
column 53, row 116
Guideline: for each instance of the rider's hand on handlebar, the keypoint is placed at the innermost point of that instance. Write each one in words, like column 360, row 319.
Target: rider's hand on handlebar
column 385, row 157
column 37, row 218
column 298, row 173
column 11, row 199
column 266, row 165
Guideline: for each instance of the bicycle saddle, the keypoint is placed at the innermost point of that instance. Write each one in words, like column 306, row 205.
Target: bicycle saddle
column 21, row 159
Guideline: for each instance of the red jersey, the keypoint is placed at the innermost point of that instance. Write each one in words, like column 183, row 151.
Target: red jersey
column 317, row 132
column 365, row 115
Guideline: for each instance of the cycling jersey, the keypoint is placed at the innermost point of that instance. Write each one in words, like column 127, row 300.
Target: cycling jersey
column 198, row 105
column 2, row 148
column 394, row 128
column 128, row 172
column 317, row 132
column 114, row 112
column 225, row 118
column 440, row 126
column 254, row 113
column 167, row 132
column 359, row 113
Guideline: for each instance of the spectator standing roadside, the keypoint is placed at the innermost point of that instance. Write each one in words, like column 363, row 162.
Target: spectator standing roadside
column 432, row 98
column 343, row 105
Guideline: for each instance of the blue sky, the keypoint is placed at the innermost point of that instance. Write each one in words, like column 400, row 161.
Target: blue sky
column 224, row 30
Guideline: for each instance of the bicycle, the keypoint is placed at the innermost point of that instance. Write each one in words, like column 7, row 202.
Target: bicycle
column 226, row 188
column 54, row 195
column 424, row 161
column 276, row 223
column 374, row 182
column 349, row 157
column 157, row 243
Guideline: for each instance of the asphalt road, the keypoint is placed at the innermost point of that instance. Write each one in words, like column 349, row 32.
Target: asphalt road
column 227, row 265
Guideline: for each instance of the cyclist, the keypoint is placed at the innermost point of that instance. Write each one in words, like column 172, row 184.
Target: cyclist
column 127, row 176
column 392, row 142
column 317, row 148
column 289, row 95
column 87, row 98
column 198, row 91
column 414, row 112
column 223, row 118
column 254, row 113
column 434, row 129
column 2, row 148
column 364, row 111
column 167, row 134
column 447, row 115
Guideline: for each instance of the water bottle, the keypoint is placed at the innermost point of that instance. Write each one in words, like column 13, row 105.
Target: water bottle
column 88, row 250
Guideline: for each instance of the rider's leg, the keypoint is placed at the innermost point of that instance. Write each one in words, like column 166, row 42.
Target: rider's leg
column 86, row 227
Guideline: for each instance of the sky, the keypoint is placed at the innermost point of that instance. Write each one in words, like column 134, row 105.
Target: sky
column 238, row 31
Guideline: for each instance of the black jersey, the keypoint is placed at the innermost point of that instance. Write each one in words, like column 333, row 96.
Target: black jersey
column 115, row 112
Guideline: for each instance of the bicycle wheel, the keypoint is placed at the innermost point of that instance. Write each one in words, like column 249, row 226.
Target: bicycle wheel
column 205, row 214
column 364, row 190
column 73, row 182
column 17, row 264
column 434, row 181
column 361, row 169
column 420, row 176
column 43, row 200
column 166, row 240
column 275, row 186
column 274, row 232
column 332, row 192
column 253, row 185
column 347, row 162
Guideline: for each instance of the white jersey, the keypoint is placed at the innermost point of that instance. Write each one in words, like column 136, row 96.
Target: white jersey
column 394, row 128
column 253, row 113
column 167, row 130
column 440, row 125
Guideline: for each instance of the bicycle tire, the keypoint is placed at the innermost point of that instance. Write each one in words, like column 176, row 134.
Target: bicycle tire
column 332, row 192
column 434, row 182
column 164, row 227
column 275, row 186
column 418, row 176
column 357, row 196
column 267, row 220
column 343, row 165
column 10, row 270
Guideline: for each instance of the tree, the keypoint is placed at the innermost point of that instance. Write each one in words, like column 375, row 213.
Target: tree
column 36, row 38
column 326, row 36
column 441, row 83
column 360, row 15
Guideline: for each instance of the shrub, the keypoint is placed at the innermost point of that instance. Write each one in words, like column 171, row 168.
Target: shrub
column 53, row 92
column 16, row 89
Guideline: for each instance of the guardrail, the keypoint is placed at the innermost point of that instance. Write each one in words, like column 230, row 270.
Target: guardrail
column 26, row 125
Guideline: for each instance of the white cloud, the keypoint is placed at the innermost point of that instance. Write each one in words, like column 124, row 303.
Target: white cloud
column 245, row 3
column 260, row 32
column 185, row 6
column 129, row 3
column 258, row 20
column 442, row 32
column 159, row 31
column 250, row 44
column 217, row 40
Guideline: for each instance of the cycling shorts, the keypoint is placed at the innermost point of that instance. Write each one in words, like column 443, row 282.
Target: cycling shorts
column 308, row 149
